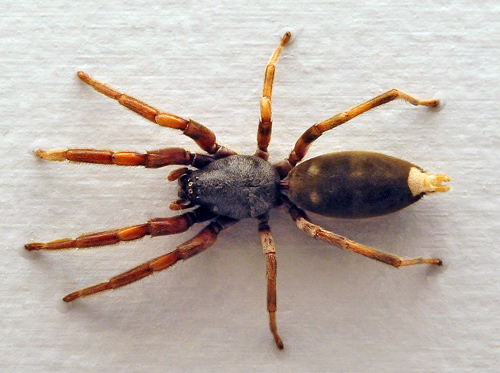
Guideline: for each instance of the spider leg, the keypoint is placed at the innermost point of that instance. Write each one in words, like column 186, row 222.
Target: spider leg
column 269, row 250
column 151, row 159
column 154, row 227
column 341, row 242
column 203, row 240
column 316, row 130
column 265, row 124
column 204, row 137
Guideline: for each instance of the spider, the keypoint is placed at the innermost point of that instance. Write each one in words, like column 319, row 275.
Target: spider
column 223, row 187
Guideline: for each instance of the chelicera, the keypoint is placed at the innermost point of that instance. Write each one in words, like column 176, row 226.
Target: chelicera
column 223, row 187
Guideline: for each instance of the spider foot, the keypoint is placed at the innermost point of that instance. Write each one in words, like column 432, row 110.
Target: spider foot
column 34, row 246
column 57, row 155
column 431, row 103
column 278, row 341
column 274, row 330
column 410, row 262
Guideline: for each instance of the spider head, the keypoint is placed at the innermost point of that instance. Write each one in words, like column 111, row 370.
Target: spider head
column 185, row 185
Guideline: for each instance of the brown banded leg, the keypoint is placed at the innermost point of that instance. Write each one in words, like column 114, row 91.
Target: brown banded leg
column 154, row 227
column 265, row 124
column 150, row 159
column 204, row 137
column 269, row 250
column 203, row 240
column 316, row 130
column 341, row 242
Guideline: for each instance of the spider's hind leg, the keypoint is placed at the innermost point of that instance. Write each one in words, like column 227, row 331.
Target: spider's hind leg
column 316, row 130
column 341, row 242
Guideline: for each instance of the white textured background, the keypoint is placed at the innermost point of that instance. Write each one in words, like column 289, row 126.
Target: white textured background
column 336, row 311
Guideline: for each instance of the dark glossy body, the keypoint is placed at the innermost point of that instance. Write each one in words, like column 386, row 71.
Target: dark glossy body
column 239, row 186
column 352, row 184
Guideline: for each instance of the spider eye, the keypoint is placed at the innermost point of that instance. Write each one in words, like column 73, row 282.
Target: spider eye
column 184, row 182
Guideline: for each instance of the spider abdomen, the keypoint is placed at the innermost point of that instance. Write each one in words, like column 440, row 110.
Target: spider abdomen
column 238, row 186
column 353, row 184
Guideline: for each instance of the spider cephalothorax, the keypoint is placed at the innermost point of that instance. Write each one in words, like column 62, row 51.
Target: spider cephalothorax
column 239, row 186
column 226, row 187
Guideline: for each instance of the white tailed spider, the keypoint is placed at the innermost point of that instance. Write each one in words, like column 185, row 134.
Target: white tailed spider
column 223, row 187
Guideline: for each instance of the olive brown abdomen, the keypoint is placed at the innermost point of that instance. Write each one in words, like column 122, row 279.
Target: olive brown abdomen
column 355, row 184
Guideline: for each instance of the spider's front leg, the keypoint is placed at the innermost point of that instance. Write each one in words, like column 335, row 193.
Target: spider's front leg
column 319, row 233
column 203, row 136
column 202, row 241
column 150, row 159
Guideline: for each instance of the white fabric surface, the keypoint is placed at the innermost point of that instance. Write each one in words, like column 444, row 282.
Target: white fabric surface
column 337, row 311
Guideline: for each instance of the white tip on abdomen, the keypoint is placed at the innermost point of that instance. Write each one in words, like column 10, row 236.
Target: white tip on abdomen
column 423, row 182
